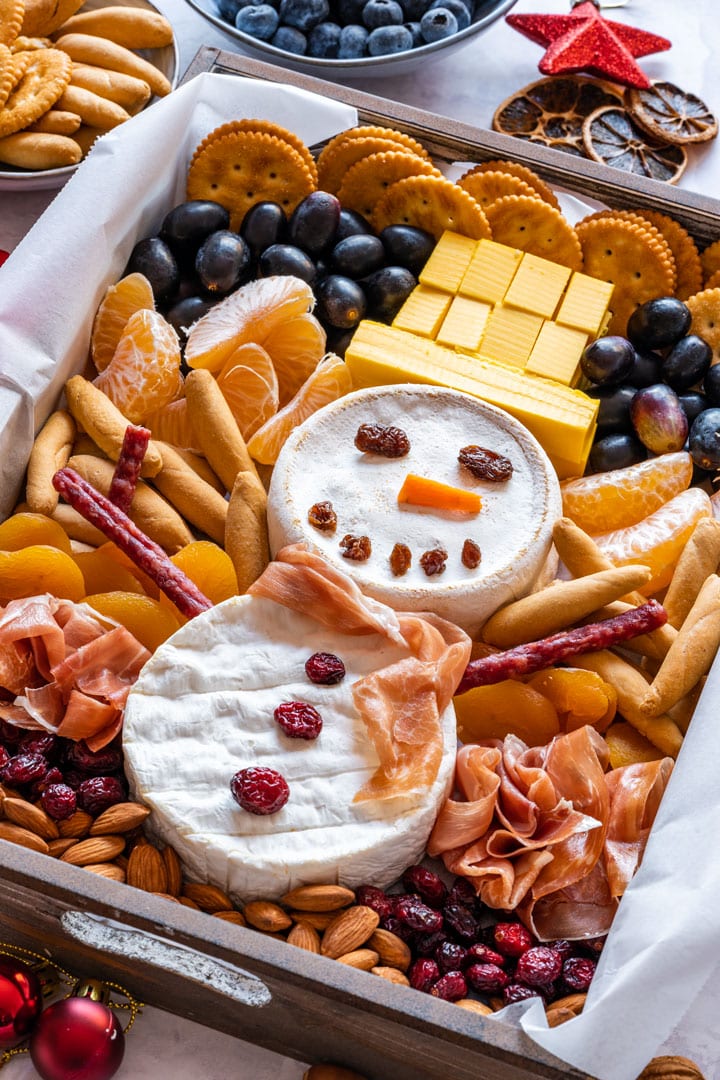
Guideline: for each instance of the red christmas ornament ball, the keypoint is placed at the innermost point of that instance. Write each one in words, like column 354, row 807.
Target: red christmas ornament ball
column 77, row 1039
column 21, row 1001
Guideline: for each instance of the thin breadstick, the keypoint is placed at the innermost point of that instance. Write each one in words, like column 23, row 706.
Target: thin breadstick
column 217, row 431
column 100, row 52
column 126, row 90
column 692, row 652
column 76, row 526
column 101, row 419
column 198, row 463
column 653, row 645
column 698, row 559
column 580, row 554
column 197, row 501
column 560, row 605
column 631, row 687
column 246, row 540
column 51, row 451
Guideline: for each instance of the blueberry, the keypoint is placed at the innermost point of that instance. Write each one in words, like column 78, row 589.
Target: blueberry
column 458, row 9
column 416, row 31
column 438, row 24
column 382, row 13
column 353, row 42
column 304, row 14
column 349, row 12
column 289, row 39
column 415, row 9
column 258, row 20
column 229, row 8
column 324, row 40
column 389, row 39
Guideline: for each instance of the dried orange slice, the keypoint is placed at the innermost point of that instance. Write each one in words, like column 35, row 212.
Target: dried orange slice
column 132, row 293
column 610, row 136
column 329, row 381
column 249, row 385
column 144, row 373
column 614, row 500
column 551, row 111
column 670, row 114
column 251, row 313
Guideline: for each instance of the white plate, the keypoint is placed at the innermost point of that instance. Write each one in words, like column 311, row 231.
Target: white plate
column 166, row 59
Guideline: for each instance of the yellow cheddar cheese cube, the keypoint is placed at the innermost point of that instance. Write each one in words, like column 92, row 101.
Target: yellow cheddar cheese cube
column 448, row 262
column 537, row 286
column 556, row 353
column 423, row 311
column 464, row 325
column 585, row 303
column 510, row 335
column 490, row 271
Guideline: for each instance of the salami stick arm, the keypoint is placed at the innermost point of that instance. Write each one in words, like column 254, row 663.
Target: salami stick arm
column 128, row 466
column 536, row 655
column 144, row 552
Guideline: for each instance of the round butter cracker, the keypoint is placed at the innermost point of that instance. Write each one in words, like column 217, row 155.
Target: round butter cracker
column 431, row 203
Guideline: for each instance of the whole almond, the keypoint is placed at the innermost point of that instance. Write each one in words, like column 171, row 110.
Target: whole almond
column 264, row 915
column 392, row 975
column 319, row 920
column 173, row 868
column 319, row 898
column 120, row 818
column 235, row 917
column 564, row 1008
column 348, row 931
column 146, row 869
column 107, row 870
column 187, row 902
column 362, row 959
column 167, row 896
column 58, row 847
column 96, row 849
column 305, row 937
column 208, row 897
column 671, row 1067
column 331, row 1072
column 17, row 835
column 77, row 825
column 31, row 817
column 393, row 951
column 474, row 1006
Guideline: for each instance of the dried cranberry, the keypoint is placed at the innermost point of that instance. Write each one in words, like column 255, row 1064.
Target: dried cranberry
column 483, row 954
column 97, row 793
column 512, row 938
column 517, row 992
column 10, row 734
column 423, row 974
column 487, row 978
column 24, row 769
column 34, row 742
column 260, row 790
column 451, row 956
column 577, row 973
column 298, row 720
column 539, row 966
column 95, row 762
column 4, row 757
column 485, row 464
column 462, row 921
column 357, row 548
column 400, row 559
column 322, row 516
column 594, row 945
column 450, row 987
column 433, row 561
column 426, row 882
column 386, row 440
column 428, row 944
column 59, row 801
column 411, row 910
column 462, row 892
column 389, row 922
column 564, row 947
column 52, row 776
column 324, row 668
column 380, row 902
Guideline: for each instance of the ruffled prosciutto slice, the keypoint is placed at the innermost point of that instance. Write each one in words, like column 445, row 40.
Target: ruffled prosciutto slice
column 17, row 666
column 401, row 704
column 635, row 794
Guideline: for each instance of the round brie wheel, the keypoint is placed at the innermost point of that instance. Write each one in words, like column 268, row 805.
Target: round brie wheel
column 320, row 463
column 202, row 709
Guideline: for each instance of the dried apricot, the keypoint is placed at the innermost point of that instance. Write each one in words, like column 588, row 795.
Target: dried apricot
column 580, row 697
column 103, row 573
column 147, row 619
column 25, row 529
column 508, row 707
column 37, row 569
column 209, row 567
column 627, row 746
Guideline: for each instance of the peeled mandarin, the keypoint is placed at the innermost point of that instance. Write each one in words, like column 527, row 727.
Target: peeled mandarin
column 628, row 747
column 580, row 697
column 613, row 500
column 504, row 708
column 25, row 529
column 144, row 373
column 146, row 619
column 132, row 293
column 38, row 569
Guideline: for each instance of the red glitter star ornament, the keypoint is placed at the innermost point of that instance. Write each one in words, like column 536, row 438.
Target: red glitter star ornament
column 585, row 41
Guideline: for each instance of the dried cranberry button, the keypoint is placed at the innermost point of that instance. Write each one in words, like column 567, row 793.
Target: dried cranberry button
column 578, row 972
column 539, row 966
column 3, row 256
column 260, row 790
column 512, row 939
column 324, row 668
column 99, row 793
column 58, row 801
column 298, row 720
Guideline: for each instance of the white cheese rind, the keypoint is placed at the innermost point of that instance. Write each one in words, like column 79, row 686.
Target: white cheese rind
column 202, row 709
column 319, row 462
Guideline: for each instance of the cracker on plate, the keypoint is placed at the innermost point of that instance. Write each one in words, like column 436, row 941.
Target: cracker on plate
column 530, row 224
column 368, row 179
column 431, row 203
column 11, row 20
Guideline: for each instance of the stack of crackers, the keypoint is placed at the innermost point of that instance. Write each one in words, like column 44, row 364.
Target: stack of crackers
column 68, row 76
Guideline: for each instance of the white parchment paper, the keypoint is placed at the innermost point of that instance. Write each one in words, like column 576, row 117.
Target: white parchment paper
column 656, row 990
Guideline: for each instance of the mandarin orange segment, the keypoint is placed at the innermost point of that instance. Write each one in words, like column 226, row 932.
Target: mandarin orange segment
column 628, row 747
column 144, row 373
column 249, row 385
column 25, row 529
column 329, row 381
column 39, row 569
column 604, row 501
column 509, row 707
column 295, row 346
column 251, row 313
column 172, row 424
column 658, row 539
column 580, row 697
column 209, row 567
column 102, row 573
column 132, row 293
column 146, row 619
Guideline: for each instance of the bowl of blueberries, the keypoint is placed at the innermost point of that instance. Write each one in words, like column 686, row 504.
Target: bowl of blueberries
column 338, row 39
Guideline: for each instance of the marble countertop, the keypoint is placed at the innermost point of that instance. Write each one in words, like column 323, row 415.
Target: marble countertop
column 467, row 86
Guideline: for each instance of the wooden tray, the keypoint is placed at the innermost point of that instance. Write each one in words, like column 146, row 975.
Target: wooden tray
column 239, row 981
